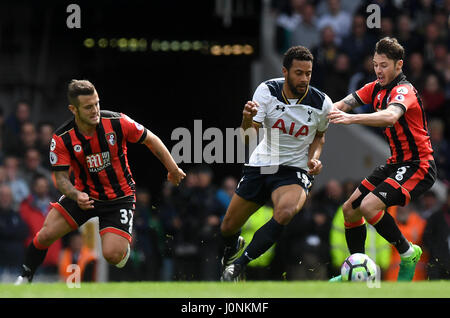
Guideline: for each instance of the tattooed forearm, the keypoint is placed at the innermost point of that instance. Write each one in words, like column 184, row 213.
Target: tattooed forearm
column 64, row 185
column 347, row 104
column 351, row 101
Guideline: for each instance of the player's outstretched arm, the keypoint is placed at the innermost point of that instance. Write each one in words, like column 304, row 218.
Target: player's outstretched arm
column 347, row 104
column 385, row 118
column 315, row 150
column 66, row 187
column 157, row 147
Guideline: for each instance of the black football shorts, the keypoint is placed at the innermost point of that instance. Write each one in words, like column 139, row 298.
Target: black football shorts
column 115, row 216
column 399, row 183
column 257, row 183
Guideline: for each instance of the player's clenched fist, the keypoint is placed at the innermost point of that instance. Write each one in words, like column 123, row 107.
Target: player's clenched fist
column 315, row 166
column 84, row 202
column 176, row 176
column 250, row 109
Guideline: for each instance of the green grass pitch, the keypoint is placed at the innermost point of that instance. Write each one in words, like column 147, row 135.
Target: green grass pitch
column 268, row 289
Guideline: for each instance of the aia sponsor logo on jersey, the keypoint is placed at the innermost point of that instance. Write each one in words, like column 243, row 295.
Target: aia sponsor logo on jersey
column 98, row 161
column 293, row 131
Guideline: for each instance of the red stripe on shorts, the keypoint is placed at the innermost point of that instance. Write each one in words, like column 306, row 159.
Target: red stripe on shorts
column 396, row 185
column 368, row 185
column 418, row 176
column 65, row 215
column 116, row 231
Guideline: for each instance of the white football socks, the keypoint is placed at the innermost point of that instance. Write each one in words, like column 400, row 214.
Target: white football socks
column 408, row 253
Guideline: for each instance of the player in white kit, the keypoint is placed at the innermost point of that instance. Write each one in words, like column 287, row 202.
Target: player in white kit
column 281, row 168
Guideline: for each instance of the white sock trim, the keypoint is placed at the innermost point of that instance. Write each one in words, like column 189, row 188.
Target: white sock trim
column 124, row 259
column 408, row 253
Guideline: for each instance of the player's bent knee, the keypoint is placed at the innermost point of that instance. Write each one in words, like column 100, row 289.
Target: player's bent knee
column 368, row 208
column 45, row 237
column 348, row 210
column 365, row 211
column 124, row 258
column 115, row 256
column 284, row 216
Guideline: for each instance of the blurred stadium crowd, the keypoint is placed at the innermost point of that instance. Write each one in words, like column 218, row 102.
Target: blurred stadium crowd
column 336, row 32
column 176, row 232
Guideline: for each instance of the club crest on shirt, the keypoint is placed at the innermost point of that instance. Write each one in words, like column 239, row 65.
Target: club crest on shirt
column 111, row 138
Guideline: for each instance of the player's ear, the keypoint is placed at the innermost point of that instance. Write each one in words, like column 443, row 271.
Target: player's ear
column 285, row 71
column 399, row 64
column 72, row 108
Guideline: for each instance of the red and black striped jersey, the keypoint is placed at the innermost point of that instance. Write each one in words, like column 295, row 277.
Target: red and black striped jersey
column 98, row 162
column 408, row 138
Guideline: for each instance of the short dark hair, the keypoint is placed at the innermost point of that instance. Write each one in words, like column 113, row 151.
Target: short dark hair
column 298, row 53
column 77, row 88
column 391, row 48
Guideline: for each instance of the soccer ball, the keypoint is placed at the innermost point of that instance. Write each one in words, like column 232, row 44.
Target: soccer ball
column 358, row 267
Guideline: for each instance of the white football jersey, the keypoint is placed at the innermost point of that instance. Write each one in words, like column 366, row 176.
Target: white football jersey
column 289, row 125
